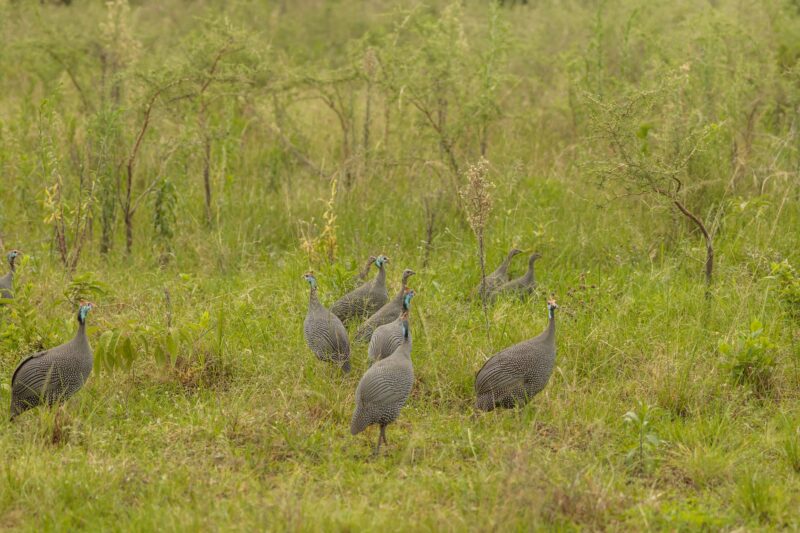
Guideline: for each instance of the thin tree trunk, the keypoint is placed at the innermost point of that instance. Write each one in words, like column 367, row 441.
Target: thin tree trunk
column 709, row 268
column 128, row 232
column 127, row 206
column 207, row 177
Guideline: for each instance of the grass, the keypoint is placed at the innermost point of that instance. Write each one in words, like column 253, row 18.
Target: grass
column 206, row 410
column 263, row 434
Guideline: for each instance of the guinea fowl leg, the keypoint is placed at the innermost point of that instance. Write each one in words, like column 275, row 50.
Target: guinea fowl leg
column 381, row 437
column 378, row 447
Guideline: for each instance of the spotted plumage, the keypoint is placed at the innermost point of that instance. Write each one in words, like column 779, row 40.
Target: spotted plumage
column 499, row 276
column 53, row 375
column 324, row 332
column 366, row 299
column 385, row 314
column 362, row 276
column 7, row 281
column 388, row 337
column 515, row 375
column 521, row 286
column 384, row 390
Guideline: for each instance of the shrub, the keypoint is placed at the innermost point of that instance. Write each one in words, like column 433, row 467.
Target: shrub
column 752, row 361
column 788, row 287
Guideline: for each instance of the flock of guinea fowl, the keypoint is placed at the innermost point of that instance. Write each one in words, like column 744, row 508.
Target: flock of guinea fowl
column 509, row 378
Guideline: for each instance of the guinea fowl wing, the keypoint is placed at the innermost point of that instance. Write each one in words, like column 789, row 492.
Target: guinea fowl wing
column 352, row 303
column 19, row 372
column 498, row 374
column 384, row 384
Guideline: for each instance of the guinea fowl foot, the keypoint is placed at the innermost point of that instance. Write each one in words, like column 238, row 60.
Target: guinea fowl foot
column 377, row 449
column 381, row 438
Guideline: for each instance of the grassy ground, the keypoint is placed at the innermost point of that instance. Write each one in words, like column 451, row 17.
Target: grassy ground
column 258, row 435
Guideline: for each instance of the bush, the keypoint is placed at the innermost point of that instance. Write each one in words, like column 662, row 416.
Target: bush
column 789, row 287
column 752, row 361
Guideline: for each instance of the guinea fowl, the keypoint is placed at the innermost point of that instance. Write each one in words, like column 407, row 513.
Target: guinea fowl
column 516, row 374
column 324, row 332
column 521, row 286
column 7, row 281
column 53, row 375
column 367, row 298
column 362, row 276
column 385, row 314
column 386, row 338
column 384, row 390
column 499, row 276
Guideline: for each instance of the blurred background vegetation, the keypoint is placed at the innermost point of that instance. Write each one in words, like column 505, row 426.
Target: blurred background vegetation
column 169, row 131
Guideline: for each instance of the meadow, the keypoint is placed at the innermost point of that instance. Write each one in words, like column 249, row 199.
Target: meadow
column 182, row 164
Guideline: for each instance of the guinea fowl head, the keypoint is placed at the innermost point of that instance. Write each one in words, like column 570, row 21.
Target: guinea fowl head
column 407, row 273
column 309, row 277
column 12, row 256
column 83, row 310
column 381, row 260
column 407, row 298
column 514, row 251
column 534, row 257
column 551, row 306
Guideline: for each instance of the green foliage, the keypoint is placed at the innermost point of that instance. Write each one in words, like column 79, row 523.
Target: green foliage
column 21, row 326
column 105, row 152
column 85, row 287
column 788, row 287
column 165, row 217
column 640, row 420
column 751, row 361
column 120, row 348
column 791, row 448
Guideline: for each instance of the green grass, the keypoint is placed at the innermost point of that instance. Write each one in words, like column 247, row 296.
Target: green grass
column 261, row 436
column 241, row 428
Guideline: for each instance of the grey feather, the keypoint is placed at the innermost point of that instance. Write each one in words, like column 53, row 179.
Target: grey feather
column 385, row 340
column 521, row 286
column 325, row 333
column 388, row 337
column 7, row 286
column 499, row 276
column 386, row 313
column 366, row 299
column 53, row 375
column 384, row 390
column 515, row 375
column 7, row 281
column 362, row 276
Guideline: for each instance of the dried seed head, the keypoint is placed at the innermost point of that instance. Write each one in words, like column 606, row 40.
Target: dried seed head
column 477, row 196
